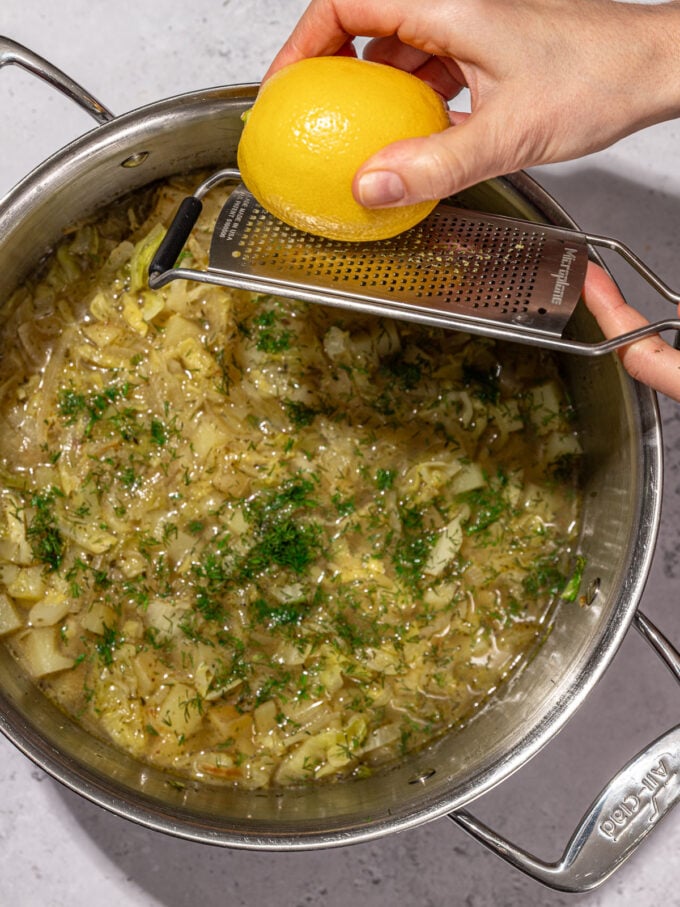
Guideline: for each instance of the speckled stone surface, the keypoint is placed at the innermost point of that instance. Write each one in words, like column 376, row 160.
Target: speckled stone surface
column 58, row 850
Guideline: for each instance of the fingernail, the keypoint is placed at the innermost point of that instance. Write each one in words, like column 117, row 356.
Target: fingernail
column 380, row 187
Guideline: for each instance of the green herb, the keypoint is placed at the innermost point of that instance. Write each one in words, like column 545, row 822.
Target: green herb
column 153, row 638
column 106, row 645
column 146, row 544
column 570, row 591
column 265, row 319
column 410, row 556
column 176, row 785
column 408, row 374
column 72, row 405
column 546, row 578
column 100, row 579
column 126, row 423
column 170, row 531
column 310, row 764
column 129, row 477
column 384, row 479
column 195, row 703
column 272, row 342
column 300, row 414
column 290, row 497
column 43, row 533
column 158, row 433
column 138, row 591
column 344, row 506
column 483, row 383
column 271, row 339
column 189, row 627
column 354, row 634
column 384, row 403
column 412, row 548
column 487, row 504
column 286, row 544
column 270, row 687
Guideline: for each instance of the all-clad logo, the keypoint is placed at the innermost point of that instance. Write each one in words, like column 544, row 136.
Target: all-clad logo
column 562, row 276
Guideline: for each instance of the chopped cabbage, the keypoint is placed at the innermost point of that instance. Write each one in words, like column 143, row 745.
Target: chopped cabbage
column 261, row 542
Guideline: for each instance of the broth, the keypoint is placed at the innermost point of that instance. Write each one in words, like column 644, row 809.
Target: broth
column 259, row 541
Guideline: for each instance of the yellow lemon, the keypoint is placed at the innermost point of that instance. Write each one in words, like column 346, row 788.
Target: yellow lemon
column 314, row 123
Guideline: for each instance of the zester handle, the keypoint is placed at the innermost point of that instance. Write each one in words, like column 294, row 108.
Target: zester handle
column 635, row 262
column 11, row 52
column 162, row 268
column 626, row 811
column 178, row 232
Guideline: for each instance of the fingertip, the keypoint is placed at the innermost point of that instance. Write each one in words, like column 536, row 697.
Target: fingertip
column 599, row 285
column 650, row 360
column 379, row 188
column 318, row 33
column 604, row 300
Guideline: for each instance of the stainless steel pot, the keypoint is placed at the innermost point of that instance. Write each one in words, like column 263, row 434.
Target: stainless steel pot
column 620, row 429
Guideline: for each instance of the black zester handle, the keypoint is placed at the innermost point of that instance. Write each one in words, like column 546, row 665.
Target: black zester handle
column 178, row 232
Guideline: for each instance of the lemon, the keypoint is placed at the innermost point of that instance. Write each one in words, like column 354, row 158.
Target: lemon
column 311, row 127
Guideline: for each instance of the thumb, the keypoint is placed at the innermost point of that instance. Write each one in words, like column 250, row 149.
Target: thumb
column 416, row 170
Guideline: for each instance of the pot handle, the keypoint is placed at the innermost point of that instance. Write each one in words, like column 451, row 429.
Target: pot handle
column 618, row 821
column 12, row 52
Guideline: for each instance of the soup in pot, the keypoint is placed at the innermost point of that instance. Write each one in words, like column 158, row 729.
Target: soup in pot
column 258, row 541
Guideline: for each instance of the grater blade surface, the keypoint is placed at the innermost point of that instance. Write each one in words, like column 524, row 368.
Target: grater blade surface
column 455, row 265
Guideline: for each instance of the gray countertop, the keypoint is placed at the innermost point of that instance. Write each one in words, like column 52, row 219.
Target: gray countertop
column 58, row 849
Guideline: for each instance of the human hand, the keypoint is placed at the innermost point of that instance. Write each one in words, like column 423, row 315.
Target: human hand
column 549, row 80
column 652, row 360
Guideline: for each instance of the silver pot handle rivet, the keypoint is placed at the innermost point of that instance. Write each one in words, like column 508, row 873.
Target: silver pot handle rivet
column 135, row 159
